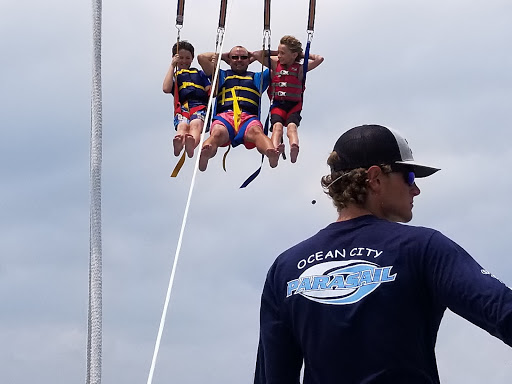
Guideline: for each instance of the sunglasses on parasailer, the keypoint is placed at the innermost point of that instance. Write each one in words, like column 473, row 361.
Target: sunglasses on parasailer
column 236, row 57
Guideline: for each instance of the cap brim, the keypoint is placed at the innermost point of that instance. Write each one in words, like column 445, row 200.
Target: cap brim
column 419, row 170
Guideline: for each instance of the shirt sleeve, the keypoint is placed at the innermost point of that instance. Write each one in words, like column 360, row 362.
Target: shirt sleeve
column 204, row 79
column 461, row 284
column 279, row 358
column 220, row 78
column 266, row 79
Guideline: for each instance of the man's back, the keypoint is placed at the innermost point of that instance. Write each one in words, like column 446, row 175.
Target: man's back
column 362, row 300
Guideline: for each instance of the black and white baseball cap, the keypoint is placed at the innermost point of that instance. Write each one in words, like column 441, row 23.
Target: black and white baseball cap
column 367, row 145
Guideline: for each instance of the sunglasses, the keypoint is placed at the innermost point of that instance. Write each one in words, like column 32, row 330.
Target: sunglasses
column 236, row 57
column 409, row 176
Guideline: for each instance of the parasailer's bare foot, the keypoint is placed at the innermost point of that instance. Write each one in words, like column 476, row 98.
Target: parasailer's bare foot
column 190, row 144
column 207, row 152
column 280, row 148
column 294, row 152
column 273, row 156
column 177, row 143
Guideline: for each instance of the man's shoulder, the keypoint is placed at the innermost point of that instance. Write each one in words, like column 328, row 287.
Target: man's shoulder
column 406, row 230
column 265, row 71
column 304, row 246
column 363, row 227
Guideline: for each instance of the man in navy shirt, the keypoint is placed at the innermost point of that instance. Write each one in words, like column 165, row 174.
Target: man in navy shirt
column 361, row 301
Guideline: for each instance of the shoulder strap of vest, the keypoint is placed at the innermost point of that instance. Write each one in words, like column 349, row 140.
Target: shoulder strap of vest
column 190, row 70
column 292, row 70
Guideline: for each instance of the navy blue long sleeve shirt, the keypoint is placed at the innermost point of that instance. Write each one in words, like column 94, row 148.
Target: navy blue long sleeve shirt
column 361, row 302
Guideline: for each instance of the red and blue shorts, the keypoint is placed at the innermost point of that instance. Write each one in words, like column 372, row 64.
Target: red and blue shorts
column 226, row 119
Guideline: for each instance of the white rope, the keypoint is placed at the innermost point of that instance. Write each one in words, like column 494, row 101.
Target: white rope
column 94, row 320
column 220, row 32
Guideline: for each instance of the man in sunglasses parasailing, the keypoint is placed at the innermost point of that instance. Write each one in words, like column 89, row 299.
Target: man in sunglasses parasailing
column 238, row 105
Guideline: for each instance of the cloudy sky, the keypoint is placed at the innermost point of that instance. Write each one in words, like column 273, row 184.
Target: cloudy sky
column 437, row 71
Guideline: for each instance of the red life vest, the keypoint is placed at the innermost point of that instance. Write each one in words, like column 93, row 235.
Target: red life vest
column 286, row 84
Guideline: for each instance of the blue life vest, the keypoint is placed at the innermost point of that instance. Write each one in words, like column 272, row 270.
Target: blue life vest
column 247, row 93
column 190, row 87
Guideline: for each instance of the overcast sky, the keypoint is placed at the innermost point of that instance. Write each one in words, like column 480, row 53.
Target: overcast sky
column 437, row 71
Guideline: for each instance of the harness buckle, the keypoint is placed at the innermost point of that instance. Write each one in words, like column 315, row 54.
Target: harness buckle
column 281, row 93
column 282, row 84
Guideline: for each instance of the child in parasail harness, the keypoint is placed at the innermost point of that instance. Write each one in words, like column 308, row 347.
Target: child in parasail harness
column 192, row 87
column 286, row 90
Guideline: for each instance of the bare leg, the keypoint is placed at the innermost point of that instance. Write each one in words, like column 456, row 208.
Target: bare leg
column 218, row 136
column 277, row 136
column 293, row 138
column 193, row 137
column 263, row 144
column 294, row 152
column 179, row 140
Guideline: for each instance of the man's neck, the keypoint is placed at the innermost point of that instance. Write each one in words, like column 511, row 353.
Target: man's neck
column 351, row 212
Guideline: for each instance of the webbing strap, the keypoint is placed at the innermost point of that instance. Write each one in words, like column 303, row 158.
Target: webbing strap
column 310, row 29
column 222, row 16
column 237, row 112
column 286, row 94
column 238, row 88
column 257, row 172
column 266, row 47
column 185, row 70
column 306, row 61
column 266, row 19
column 224, row 158
column 178, row 166
column 190, row 84
column 239, row 98
column 311, row 17
column 284, row 84
column 180, row 12
column 284, row 72
column 179, row 24
column 227, row 123
column 176, row 90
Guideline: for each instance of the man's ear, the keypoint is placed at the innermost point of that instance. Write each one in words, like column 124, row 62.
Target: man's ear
column 374, row 178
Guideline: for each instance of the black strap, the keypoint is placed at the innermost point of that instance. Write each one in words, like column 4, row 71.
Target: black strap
column 180, row 12
column 222, row 16
column 266, row 18
column 311, row 18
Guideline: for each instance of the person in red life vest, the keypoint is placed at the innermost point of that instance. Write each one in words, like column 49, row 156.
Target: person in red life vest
column 238, row 105
column 193, row 88
column 286, row 90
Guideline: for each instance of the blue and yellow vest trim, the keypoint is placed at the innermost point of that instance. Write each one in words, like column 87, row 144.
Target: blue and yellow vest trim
column 240, row 90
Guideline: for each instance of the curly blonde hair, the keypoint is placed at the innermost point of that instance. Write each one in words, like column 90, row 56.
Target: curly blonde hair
column 294, row 45
column 351, row 185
